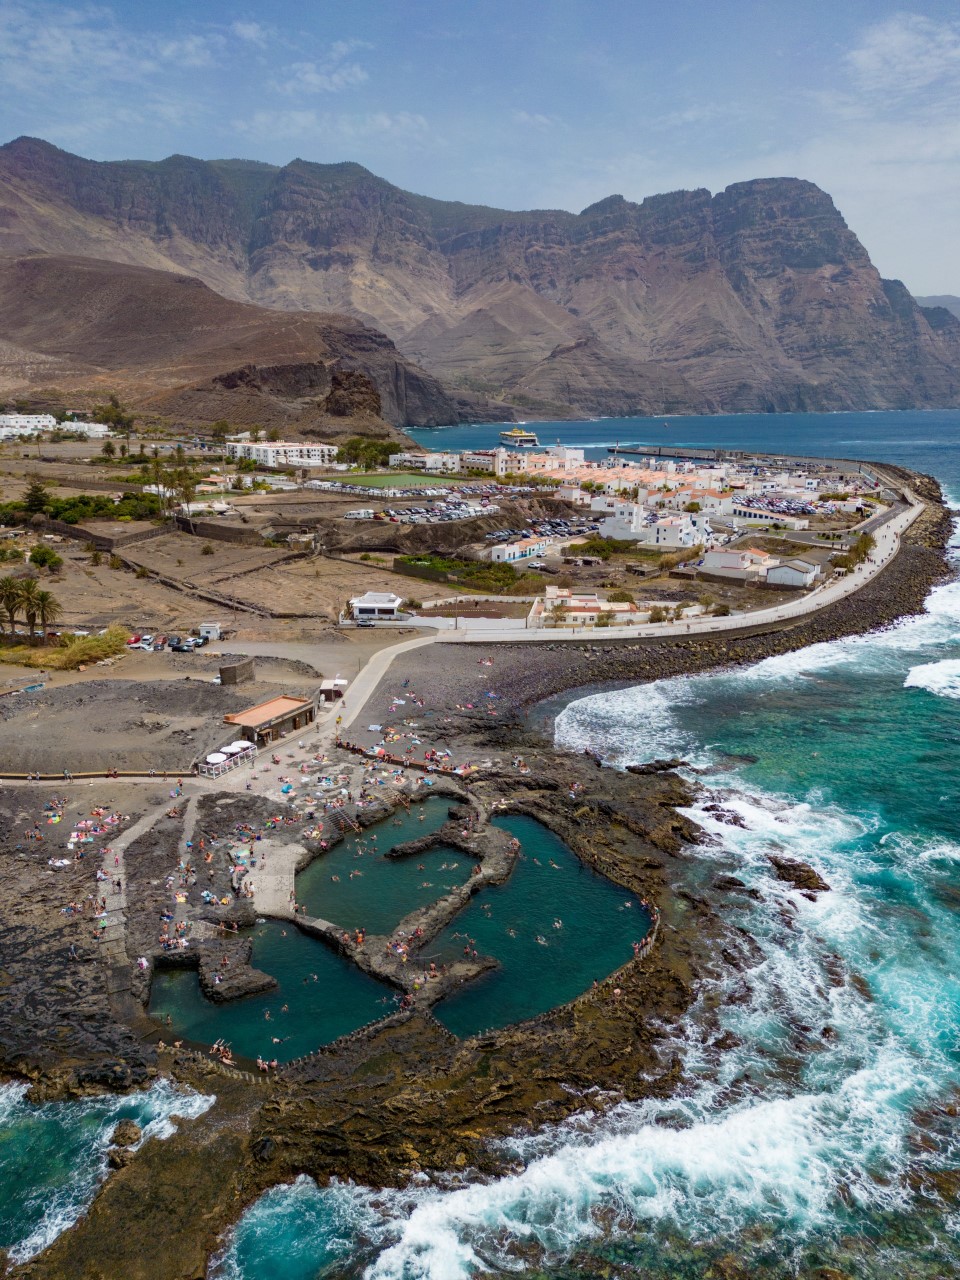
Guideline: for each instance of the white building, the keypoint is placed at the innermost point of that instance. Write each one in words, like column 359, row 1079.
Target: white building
column 631, row 522
column 92, row 430
column 492, row 461
column 25, row 424
column 793, row 573
column 522, row 549
column 573, row 493
column 449, row 463
column 373, row 605
column 280, row 454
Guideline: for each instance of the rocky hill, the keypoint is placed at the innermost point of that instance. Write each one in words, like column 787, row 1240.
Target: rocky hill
column 756, row 298
column 176, row 349
column 948, row 301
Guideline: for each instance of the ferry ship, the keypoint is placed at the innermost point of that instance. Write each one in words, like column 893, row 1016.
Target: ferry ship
column 517, row 436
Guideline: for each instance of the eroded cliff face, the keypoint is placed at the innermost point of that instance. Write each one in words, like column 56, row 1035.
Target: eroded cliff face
column 176, row 348
column 759, row 297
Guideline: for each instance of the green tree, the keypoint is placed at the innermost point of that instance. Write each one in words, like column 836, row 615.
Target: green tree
column 37, row 498
column 220, row 430
column 30, row 593
column 123, row 450
column 115, row 416
column 10, row 601
column 109, row 449
column 48, row 609
column 620, row 596
column 273, row 435
column 45, row 557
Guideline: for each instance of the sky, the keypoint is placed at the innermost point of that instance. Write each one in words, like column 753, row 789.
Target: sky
column 525, row 103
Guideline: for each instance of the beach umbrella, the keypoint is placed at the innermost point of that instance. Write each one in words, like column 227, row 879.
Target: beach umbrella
column 231, row 749
column 241, row 744
column 216, row 757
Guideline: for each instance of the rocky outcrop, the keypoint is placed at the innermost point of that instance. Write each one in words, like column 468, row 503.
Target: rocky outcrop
column 757, row 298
column 176, row 349
column 800, row 874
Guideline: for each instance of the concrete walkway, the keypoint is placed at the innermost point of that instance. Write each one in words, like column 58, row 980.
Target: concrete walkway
column 887, row 537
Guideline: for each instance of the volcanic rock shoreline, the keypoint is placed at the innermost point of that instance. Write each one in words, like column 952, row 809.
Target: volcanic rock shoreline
column 404, row 1097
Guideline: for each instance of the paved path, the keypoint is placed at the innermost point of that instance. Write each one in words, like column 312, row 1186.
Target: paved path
column 887, row 537
column 113, row 939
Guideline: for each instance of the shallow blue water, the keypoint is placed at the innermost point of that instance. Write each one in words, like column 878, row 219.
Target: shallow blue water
column 814, row 1137
column 325, row 997
column 554, row 927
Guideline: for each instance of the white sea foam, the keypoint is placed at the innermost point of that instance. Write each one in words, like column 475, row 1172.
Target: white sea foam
column 56, row 1213
column 786, row 1120
column 941, row 678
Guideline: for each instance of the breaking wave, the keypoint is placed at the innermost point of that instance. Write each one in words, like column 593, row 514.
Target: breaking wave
column 53, row 1156
column 794, row 1141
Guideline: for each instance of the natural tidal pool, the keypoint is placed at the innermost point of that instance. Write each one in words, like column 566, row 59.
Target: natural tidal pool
column 355, row 885
column 554, row 927
column 325, row 997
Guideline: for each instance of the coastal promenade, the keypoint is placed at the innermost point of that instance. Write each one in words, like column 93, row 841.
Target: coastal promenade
column 887, row 537
column 886, row 532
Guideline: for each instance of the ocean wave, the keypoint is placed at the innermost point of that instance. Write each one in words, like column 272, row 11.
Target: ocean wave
column 817, row 1120
column 941, row 678
column 54, row 1156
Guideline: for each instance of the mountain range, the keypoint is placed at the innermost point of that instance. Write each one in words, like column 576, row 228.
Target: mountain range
column 758, row 298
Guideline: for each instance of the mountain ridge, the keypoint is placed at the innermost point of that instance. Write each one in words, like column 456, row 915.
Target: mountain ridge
column 758, row 297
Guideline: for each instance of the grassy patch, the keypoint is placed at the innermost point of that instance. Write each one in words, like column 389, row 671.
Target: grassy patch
column 72, row 651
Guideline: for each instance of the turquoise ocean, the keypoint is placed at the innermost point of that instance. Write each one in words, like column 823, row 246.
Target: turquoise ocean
column 817, row 1123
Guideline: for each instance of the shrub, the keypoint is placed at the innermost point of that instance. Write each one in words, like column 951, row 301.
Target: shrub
column 658, row 614
column 45, row 557
column 721, row 611
column 116, row 562
column 142, row 572
column 206, row 549
column 620, row 596
column 71, row 653
column 95, row 557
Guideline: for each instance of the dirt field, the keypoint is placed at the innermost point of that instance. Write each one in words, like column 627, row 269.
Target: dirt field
column 312, row 587
column 96, row 725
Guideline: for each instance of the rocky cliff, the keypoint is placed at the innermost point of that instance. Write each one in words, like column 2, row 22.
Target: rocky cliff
column 175, row 348
column 756, row 298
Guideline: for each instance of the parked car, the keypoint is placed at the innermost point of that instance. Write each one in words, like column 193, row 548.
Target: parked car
column 366, row 622
column 133, row 642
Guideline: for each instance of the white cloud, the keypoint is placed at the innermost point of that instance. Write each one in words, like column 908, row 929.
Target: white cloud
column 253, row 32
column 906, row 53
column 308, row 125
column 81, row 46
column 311, row 77
column 534, row 119
column 327, row 74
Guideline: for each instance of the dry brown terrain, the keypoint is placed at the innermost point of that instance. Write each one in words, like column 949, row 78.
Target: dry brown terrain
column 178, row 350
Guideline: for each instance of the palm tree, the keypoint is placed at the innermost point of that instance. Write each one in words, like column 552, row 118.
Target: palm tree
column 10, row 601
column 48, row 609
column 30, row 593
